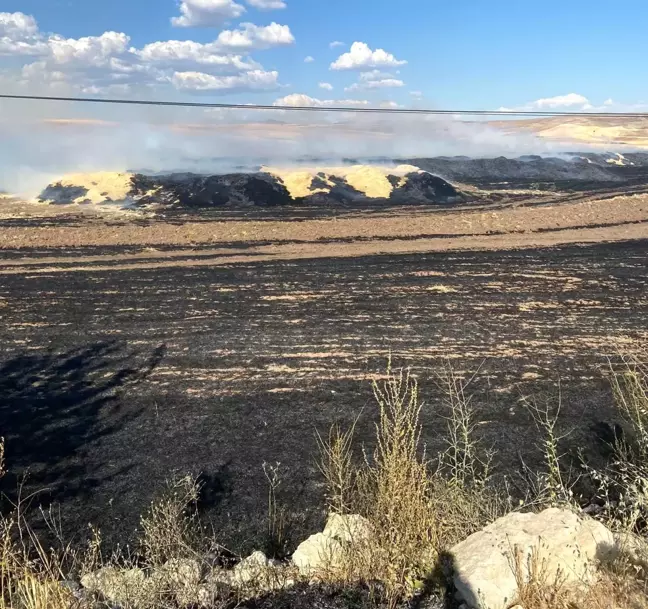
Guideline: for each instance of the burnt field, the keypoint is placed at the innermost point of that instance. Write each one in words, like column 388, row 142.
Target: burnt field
column 113, row 379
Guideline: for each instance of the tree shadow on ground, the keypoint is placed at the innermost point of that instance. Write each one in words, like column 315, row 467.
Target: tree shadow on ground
column 53, row 406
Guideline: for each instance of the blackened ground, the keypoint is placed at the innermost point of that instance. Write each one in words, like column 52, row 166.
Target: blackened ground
column 111, row 381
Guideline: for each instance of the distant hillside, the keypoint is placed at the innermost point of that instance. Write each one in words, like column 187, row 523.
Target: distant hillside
column 590, row 130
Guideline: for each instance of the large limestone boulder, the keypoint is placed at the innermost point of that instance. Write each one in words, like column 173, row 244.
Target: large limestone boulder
column 325, row 552
column 563, row 542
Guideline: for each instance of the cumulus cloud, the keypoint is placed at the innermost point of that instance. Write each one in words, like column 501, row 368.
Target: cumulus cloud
column 90, row 50
column 267, row 5
column 336, row 43
column 109, row 64
column 19, row 35
column 207, row 13
column 574, row 102
column 309, row 59
column 188, row 52
column 375, row 79
column 327, row 86
column 305, row 101
column 570, row 101
column 376, row 84
column 254, row 37
column 374, row 75
column 361, row 57
column 255, row 80
column 17, row 26
column 225, row 52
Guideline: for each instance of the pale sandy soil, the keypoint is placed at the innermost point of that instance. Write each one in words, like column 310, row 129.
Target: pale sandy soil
column 616, row 219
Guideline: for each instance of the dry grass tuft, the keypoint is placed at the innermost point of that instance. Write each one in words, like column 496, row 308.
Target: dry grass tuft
column 337, row 466
column 30, row 576
column 615, row 587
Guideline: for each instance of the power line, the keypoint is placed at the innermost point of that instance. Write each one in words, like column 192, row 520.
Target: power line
column 145, row 102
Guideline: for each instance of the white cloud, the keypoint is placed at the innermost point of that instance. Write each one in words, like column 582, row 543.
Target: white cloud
column 267, row 5
column 385, row 83
column 305, row 101
column 254, row 37
column 207, row 13
column 417, row 94
column 336, row 43
column 608, row 102
column 19, row 35
column 91, row 50
column 309, row 59
column 107, row 63
column 327, row 86
column 255, row 80
column 188, row 52
column 17, row 26
column 375, row 79
column 374, row 75
column 560, row 101
column 361, row 57
column 569, row 101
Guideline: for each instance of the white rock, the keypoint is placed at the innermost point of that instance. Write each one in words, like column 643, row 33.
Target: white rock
column 253, row 568
column 183, row 572
column 324, row 552
column 319, row 553
column 350, row 528
column 219, row 577
column 116, row 585
column 484, row 564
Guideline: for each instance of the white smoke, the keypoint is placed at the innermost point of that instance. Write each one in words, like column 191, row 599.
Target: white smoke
column 43, row 141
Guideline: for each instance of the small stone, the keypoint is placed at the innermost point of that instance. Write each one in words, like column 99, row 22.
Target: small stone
column 252, row 568
column 117, row 585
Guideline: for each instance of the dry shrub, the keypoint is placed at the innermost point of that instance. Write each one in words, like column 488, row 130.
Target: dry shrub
column 277, row 517
column 338, row 468
column 466, row 464
column 623, row 484
column 396, row 487
column 170, row 528
column 550, row 486
column 30, row 576
column 415, row 511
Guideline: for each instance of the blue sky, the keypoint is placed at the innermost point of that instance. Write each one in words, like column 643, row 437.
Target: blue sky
column 570, row 54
